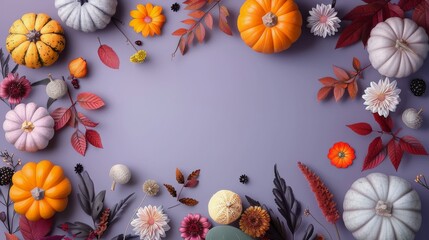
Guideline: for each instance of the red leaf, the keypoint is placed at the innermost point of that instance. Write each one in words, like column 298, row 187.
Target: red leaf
column 328, row 81
column 85, row 121
column 179, row 32
column 10, row 236
column 408, row 5
column 340, row 73
column 200, row 32
column 55, row 237
column 191, row 36
column 93, row 138
column 352, row 33
column 89, row 101
column 191, row 183
column 361, row 128
column 61, row 117
column 365, row 11
column 188, row 22
column 323, row 93
column 34, row 230
column 338, row 92
column 72, row 122
column 356, row 64
column 223, row 22
column 421, row 15
column 386, row 124
column 376, row 154
column 208, row 20
column 395, row 153
column 352, row 88
column 196, row 4
column 395, row 11
column 196, row 14
column 182, row 45
column 411, row 145
column 108, row 56
column 78, row 142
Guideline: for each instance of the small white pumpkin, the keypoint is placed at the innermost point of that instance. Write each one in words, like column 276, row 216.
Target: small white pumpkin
column 86, row 15
column 28, row 127
column 412, row 118
column 119, row 173
column 382, row 207
column 397, row 47
column 56, row 88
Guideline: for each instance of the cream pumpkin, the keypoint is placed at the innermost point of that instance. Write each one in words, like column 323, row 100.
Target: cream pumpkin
column 28, row 127
column 225, row 207
column 86, row 15
column 380, row 207
column 397, row 47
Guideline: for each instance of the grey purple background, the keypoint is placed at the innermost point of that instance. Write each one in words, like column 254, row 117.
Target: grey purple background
column 222, row 108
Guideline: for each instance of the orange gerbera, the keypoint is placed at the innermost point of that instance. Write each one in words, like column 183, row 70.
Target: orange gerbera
column 147, row 19
column 341, row 155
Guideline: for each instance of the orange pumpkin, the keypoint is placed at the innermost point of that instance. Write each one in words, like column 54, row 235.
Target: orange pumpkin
column 39, row 190
column 269, row 26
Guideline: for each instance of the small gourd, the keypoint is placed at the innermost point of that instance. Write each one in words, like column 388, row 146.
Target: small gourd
column 39, row 190
column 56, row 88
column 412, row 118
column 86, row 15
column 78, row 67
column 378, row 207
column 269, row 26
column 225, row 207
column 28, row 127
column 397, row 47
column 120, row 174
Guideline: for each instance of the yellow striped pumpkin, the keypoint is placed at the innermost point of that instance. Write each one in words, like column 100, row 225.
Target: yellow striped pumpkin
column 35, row 40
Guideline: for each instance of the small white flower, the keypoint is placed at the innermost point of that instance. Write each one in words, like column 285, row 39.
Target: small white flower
column 382, row 97
column 323, row 20
column 151, row 223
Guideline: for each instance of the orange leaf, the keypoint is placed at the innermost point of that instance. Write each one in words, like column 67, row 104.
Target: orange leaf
column 340, row 73
column 196, row 14
column 89, row 101
column 189, row 21
column 352, row 88
column 223, row 11
column 179, row 32
column 11, row 236
column 196, row 4
column 208, row 19
column 179, row 177
column 194, row 175
column 356, row 64
column 338, row 92
column 223, row 22
column 328, row 81
column 323, row 93
column 200, row 32
column 171, row 190
column 182, row 45
column 188, row 201
column 190, row 38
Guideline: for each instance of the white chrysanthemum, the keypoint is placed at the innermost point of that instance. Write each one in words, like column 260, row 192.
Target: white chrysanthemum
column 382, row 97
column 323, row 20
column 151, row 223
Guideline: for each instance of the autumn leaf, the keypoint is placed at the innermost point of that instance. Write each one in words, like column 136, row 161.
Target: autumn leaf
column 194, row 175
column 408, row 5
column 328, row 81
column 179, row 32
column 188, row 21
column 356, row 64
column 223, row 22
column 10, row 236
column 340, row 73
column 188, row 201
column 411, row 145
column 182, row 45
column 386, row 124
column 171, row 190
column 89, row 101
column 361, row 128
column 421, row 15
column 200, row 32
column 194, row 4
column 338, row 92
column 72, row 123
column 34, row 230
column 191, row 183
column 208, row 20
column 352, row 89
column 179, row 177
column 395, row 152
column 85, row 121
column 61, row 117
column 108, row 56
column 78, row 142
column 323, row 93
column 376, row 154
column 191, row 36
column 93, row 137
column 196, row 14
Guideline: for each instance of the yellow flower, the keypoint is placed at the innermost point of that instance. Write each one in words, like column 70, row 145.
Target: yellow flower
column 147, row 19
column 138, row 57
column 255, row 221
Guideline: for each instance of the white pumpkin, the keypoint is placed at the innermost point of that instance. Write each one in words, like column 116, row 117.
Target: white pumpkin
column 86, row 15
column 28, row 127
column 397, row 47
column 382, row 207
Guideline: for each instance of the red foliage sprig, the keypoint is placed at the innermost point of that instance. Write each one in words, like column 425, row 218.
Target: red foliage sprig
column 195, row 23
column 395, row 148
column 365, row 17
column 324, row 197
column 344, row 80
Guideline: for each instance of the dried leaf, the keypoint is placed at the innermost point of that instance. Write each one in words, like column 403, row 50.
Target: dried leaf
column 108, row 56
column 85, row 121
column 386, row 124
column 195, row 4
column 188, row 201
column 338, row 92
column 196, row 14
column 340, row 73
column 328, row 81
column 34, row 230
column 208, row 20
column 10, row 236
column 356, row 64
column 191, row 183
column 191, row 36
column 93, row 138
column 376, row 154
column 171, row 190
column 72, row 123
column 179, row 177
column 361, row 128
column 200, row 32
column 411, row 145
column 78, row 142
column 395, row 153
column 182, row 45
column 223, row 22
column 188, row 21
column 89, row 101
column 61, row 117
column 323, row 93
column 119, row 208
column 352, row 88
column 421, row 15
column 408, row 5
column 354, row 32
column 194, row 175
column 179, row 32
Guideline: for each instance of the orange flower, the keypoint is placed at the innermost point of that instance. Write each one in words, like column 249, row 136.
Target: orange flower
column 147, row 19
column 341, row 155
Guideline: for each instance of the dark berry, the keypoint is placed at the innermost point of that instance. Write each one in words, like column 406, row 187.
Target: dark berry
column 175, row 7
column 418, row 86
column 6, row 174
column 78, row 168
column 75, row 83
column 138, row 43
column 244, row 179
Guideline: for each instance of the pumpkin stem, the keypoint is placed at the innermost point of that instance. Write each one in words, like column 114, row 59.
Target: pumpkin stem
column 269, row 19
column 420, row 111
column 33, row 36
column 403, row 44
column 83, row 2
column 27, row 126
column 383, row 209
column 38, row 193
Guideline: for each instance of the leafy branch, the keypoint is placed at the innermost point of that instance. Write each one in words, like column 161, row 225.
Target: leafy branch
column 190, row 182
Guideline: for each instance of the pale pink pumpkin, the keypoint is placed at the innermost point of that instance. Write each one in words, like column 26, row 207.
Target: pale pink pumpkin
column 28, row 127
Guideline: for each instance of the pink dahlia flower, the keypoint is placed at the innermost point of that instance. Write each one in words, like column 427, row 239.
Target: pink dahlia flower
column 194, row 227
column 15, row 88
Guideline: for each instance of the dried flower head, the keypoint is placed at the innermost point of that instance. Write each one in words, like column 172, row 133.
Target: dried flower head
column 255, row 221
column 323, row 20
column 78, row 168
column 382, row 97
column 151, row 223
column 15, row 88
column 244, row 179
column 194, row 226
column 150, row 187
column 138, row 57
column 307, row 212
column 175, row 7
